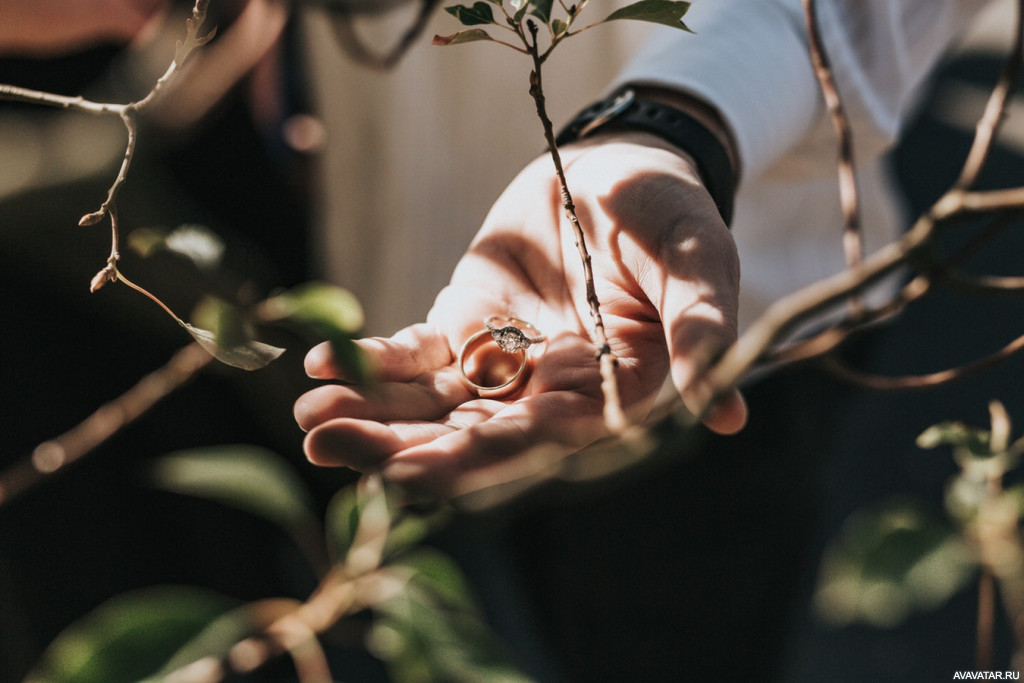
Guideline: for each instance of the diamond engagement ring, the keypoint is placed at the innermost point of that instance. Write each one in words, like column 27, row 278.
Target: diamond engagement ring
column 501, row 374
column 510, row 333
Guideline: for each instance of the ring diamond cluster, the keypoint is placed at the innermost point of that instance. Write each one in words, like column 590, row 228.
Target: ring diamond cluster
column 513, row 336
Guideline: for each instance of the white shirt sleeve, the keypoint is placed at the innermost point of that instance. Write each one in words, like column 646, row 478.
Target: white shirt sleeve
column 749, row 59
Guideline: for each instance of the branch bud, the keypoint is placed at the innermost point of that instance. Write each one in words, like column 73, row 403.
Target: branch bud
column 91, row 218
column 101, row 278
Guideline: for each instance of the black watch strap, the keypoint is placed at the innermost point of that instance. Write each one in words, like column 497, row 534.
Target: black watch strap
column 624, row 111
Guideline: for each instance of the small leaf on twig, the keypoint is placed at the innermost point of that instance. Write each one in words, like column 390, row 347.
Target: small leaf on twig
column 957, row 434
column 251, row 355
column 666, row 12
column 542, row 10
column 467, row 36
column 227, row 323
column 203, row 40
column 479, row 13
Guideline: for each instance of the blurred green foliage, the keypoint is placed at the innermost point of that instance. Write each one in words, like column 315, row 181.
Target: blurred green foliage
column 901, row 557
column 426, row 624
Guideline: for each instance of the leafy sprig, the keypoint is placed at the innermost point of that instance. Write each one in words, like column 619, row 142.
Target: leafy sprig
column 513, row 13
column 522, row 18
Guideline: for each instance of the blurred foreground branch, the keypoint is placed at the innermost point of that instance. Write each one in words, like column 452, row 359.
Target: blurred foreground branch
column 57, row 453
column 785, row 315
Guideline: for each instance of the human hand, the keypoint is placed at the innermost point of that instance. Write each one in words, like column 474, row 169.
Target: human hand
column 666, row 273
column 49, row 27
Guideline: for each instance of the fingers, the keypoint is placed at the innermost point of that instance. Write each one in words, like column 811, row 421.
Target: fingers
column 408, row 354
column 522, row 439
column 428, row 397
column 367, row 444
column 345, row 442
column 473, row 449
column 728, row 415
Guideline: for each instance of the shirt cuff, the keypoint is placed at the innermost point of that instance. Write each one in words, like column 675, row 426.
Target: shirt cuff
column 749, row 61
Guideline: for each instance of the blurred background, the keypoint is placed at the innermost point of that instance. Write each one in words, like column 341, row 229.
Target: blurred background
column 309, row 165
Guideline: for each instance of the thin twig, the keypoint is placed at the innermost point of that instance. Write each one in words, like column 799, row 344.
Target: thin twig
column 934, row 379
column 995, row 109
column 614, row 416
column 985, row 284
column 983, row 652
column 853, row 240
column 787, row 313
column 833, row 337
column 358, row 582
column 127, row 113
column 993, row 200
column 915, row 289
column 350, row 42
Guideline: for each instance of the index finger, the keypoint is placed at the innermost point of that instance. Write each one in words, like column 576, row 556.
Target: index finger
column 400, row 358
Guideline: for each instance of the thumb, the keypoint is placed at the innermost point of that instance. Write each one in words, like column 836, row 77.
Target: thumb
column 698, row 304
column 693, row 344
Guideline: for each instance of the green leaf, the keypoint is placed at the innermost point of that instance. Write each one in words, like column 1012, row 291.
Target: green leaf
column 225, row 321
column 326, row 312
column 542, row 9
column 251, row 355
column 220, row 635
column 479, row 13
column 558, row 27
column 440, row 575
column 247, row 478
column 433, row 630
column 410, row 526
column 957, row 434
column 666, row 12
column 318, row 302
column 890, row 562
column 342, row 520
column 195, row 242
column 468, row 36
column 147, row 241
column 130, row 636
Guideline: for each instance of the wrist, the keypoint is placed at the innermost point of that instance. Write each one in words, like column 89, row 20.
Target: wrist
column 692, row 128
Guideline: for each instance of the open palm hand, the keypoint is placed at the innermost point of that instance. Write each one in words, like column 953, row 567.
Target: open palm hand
column 666, row 274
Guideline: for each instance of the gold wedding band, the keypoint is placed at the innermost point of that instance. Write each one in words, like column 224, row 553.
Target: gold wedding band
column 510, row 335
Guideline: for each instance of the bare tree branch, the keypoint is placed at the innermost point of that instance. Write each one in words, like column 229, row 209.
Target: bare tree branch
column 786, row 314
column 128, row 114
column 853, row 240
column 884, row 383
column 995, row 109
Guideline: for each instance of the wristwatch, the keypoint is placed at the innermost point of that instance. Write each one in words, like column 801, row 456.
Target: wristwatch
column 624, row 111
